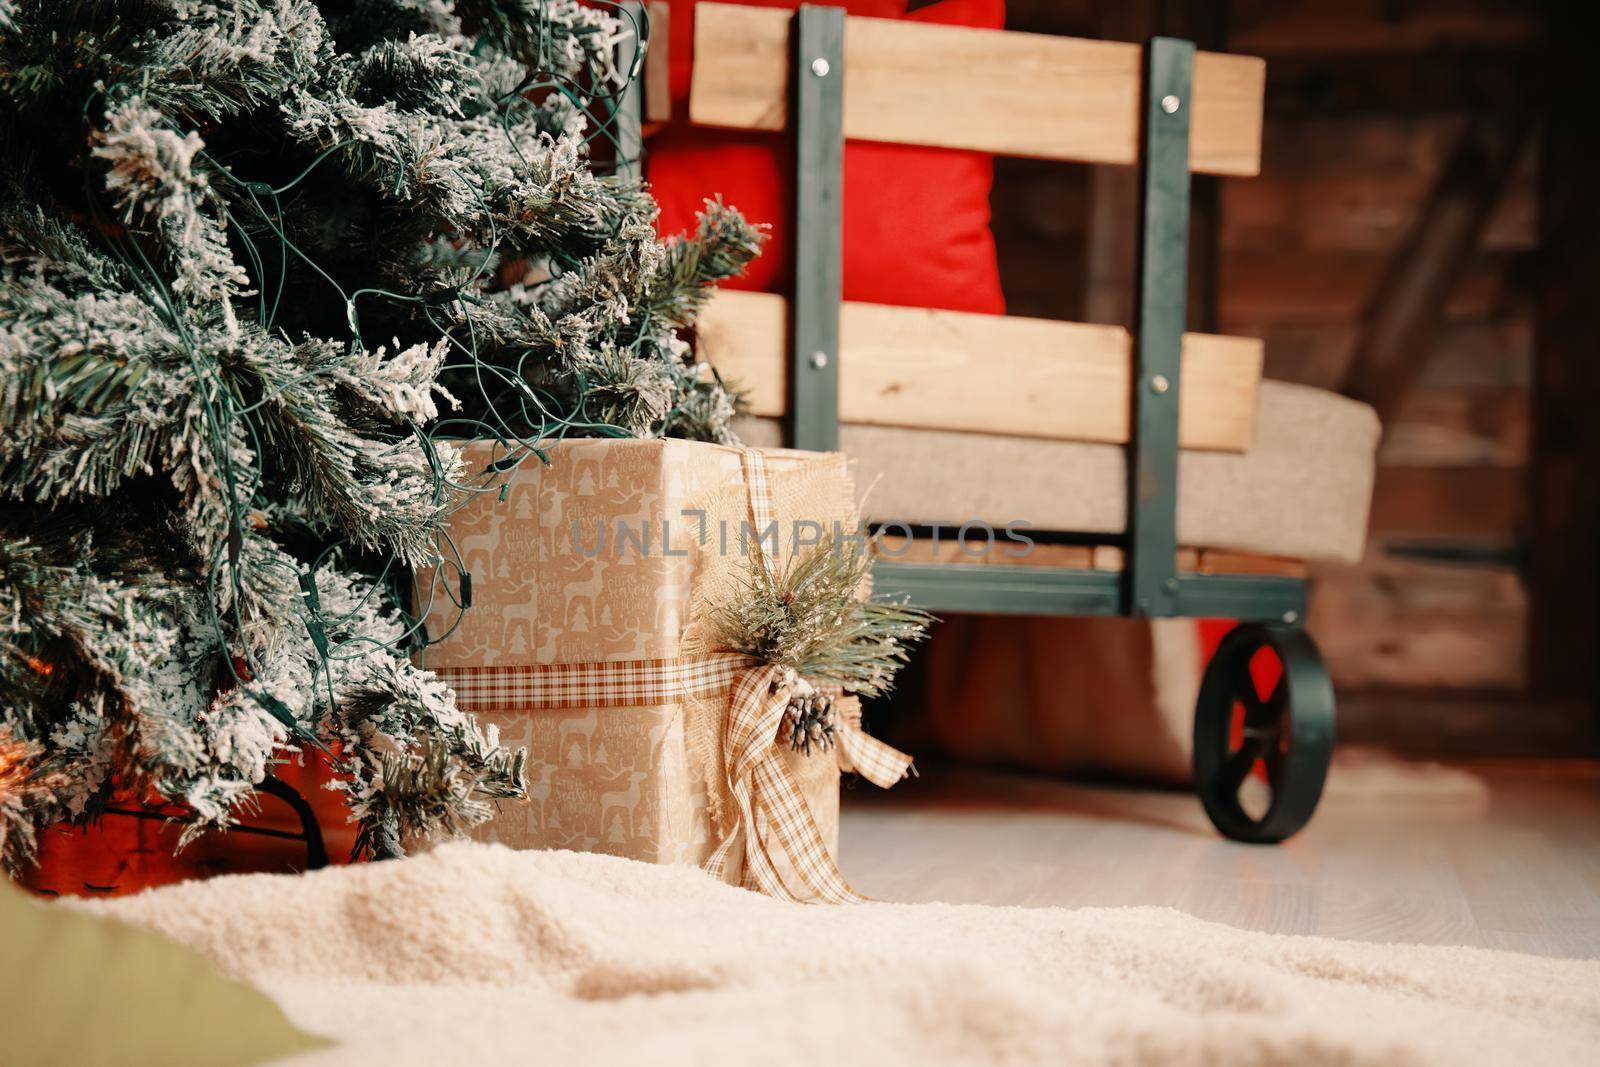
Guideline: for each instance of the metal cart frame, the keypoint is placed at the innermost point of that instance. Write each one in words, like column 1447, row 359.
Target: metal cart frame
column 1290, row 730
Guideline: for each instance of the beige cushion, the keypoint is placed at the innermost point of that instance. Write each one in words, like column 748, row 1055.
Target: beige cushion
column 1301, row 491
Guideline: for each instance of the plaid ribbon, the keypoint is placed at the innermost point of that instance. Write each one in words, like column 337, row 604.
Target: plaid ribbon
column 759, row 488
column 773, row 814
column 612, row 684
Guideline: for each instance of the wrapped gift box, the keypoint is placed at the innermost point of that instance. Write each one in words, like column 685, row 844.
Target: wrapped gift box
column 592, row 636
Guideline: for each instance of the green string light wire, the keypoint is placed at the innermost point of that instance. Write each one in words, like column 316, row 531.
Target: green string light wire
column 517, row 416
column 154, row 288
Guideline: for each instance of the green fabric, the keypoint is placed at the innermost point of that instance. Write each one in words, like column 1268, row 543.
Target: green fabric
column 77, row 989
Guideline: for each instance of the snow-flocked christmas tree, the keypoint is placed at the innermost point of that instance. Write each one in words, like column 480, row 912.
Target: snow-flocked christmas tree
column 259, row 261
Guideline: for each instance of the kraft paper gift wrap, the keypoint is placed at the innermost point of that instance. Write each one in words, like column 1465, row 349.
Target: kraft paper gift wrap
column 621, row 550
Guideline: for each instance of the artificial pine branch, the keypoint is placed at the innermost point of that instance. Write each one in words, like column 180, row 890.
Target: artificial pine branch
column 723, row 245
column 27, row 794
column 249, row 249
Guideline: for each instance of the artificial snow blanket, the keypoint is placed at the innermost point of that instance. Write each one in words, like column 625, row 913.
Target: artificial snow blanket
column 476, row 954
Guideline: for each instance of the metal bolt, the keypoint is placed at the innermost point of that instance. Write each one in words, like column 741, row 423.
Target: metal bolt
column 820, row 68
column 819, row 359
column 1291, row 617
column 1169, row 103
column 1159, row 383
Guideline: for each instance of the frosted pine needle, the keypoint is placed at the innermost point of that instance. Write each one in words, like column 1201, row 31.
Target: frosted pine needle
column 812, row 616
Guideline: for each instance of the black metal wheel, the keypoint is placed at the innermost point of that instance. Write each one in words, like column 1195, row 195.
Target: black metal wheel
column 1288, row 732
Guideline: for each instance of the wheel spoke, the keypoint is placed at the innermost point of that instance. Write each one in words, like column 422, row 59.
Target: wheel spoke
column 1245, row 685
column 1279, row 699
column 1272, row 755
column 1238, row 765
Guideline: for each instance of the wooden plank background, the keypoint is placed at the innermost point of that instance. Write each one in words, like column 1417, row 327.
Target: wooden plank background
column 1015, row 94
column 1365, row 103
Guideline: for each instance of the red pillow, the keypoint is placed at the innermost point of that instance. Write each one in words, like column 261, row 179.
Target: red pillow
column 916, row 220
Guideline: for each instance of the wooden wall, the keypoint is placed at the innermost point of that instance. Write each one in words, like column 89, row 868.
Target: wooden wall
column 1389, row 250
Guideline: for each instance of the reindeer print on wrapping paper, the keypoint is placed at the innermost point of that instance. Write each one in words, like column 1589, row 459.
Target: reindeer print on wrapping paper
column 585, row 725
column 670, row 605
column 655, row 739
column 586, row 592
column 625, row 799
column 552, row 503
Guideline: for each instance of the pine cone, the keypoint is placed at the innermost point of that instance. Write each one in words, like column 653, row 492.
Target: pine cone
column 809, row 720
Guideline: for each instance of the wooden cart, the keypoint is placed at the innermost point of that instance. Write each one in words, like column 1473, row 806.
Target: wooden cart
column 845, row 375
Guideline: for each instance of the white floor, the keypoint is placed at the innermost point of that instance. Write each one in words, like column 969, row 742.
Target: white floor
column 1502, row 855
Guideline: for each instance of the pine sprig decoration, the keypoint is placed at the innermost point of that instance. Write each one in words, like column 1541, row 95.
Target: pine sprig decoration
column 812, row 617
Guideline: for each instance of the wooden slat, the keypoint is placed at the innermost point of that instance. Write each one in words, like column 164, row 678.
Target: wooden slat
column 1107, row 558
column 1458, row 428
column 1343, row 28
column 1468, row 503
column 986, row 373
column 1215, row 561
column 1393, row 622
column 1296, row 285
column 1018, row 94
column 657, row 66
column 1112, row 558
column 1394, row 345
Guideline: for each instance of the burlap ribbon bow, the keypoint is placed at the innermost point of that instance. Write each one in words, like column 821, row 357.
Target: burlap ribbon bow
column 771, row 809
